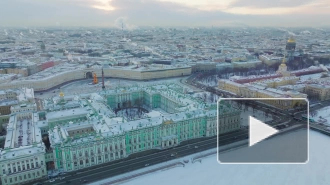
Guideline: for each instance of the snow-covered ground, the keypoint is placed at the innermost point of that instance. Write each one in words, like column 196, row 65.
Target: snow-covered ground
column 207, row 97
column 210, row 172
column 154, row 113
column 310, row 77
column 83, row 87
column 210, row 81
column 322, row 114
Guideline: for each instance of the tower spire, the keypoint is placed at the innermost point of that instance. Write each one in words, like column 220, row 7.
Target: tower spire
column 103, row 87
column 284, row 59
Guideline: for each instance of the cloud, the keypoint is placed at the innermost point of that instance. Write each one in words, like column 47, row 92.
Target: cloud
column 159, row 13
column 269, row 3
column 103, row 5
column 136, row 13
column 48, row 13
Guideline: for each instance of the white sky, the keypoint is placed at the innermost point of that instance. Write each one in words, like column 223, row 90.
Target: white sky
column 165, row 12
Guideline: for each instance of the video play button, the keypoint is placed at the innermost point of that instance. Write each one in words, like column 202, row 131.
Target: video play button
column 259, row 131
column 273, row 136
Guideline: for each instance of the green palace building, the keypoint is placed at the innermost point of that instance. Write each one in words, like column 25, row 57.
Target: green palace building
column 88, row 130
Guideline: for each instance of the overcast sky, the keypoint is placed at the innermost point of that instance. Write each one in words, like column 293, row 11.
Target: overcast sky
column 135, row 13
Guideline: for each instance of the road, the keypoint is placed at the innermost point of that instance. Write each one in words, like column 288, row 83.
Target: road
column 131, row 164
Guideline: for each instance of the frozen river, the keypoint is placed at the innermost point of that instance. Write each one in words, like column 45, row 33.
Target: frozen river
column 210, row 172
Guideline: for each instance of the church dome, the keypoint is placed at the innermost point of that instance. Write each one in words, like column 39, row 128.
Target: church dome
column 291, row 40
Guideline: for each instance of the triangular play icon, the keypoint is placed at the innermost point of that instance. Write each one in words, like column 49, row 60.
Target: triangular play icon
column 259, row 131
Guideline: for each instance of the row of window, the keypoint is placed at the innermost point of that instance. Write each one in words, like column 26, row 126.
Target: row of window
column 81, row 131
column 99, row 159
column 22, row 166
column 229, row 127
column 24, row 177
column 99, row 151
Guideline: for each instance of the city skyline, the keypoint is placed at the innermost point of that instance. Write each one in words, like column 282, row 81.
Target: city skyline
column 138, row 13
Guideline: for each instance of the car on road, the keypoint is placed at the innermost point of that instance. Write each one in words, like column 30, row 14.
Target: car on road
column 52, row 180
column 196, row 146
column 172, row 155
column 146, row 165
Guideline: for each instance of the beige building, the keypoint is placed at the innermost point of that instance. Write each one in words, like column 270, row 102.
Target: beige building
column 321, row 91
column 204, row 67
column 269, row 59
column 39, row 83
column 258, row 91
column 276, row 82
column 230, row 86
column 246, row 64
column 21, row 71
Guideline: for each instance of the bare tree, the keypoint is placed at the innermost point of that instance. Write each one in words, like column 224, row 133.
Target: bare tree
column 239, row 105
column 124, row 104
column 253, row 107
column 313, row 113
column 267, row 113
column 204, row 96
column 211, row 97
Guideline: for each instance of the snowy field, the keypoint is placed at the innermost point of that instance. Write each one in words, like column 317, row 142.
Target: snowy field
column 310, row 77
column 322, row 113
column 83, row 87
column 206, row 97
column 210, row 81
column 210, row 172
column 154, row 113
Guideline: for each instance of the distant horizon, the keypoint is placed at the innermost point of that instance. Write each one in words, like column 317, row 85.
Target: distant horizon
column 163, row 27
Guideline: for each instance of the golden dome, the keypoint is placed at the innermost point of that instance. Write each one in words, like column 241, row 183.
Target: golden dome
column 168, row 122
column 61, row 94
column 291, row 40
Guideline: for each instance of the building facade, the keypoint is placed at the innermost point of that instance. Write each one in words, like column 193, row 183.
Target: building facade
column 322, row 92
column 52, row 80
column 260, row 90
column 93, row 131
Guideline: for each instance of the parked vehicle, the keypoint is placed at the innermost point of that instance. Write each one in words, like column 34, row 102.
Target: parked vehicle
column 52, row 180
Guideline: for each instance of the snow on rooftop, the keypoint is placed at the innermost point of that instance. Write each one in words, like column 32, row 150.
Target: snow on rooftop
column 106, row 123
column 21, row 134
column 52, row 116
